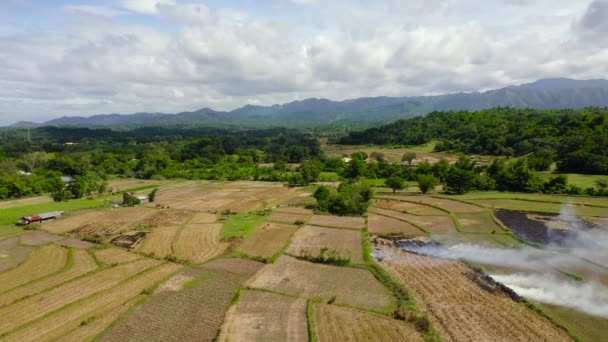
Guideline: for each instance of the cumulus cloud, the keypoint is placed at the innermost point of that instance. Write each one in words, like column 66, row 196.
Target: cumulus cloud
column 186, row 55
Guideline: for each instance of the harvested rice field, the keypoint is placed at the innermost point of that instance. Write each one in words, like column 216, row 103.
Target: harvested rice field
column 431, row 224
column 478, row 223
column 338, row 221
column 113, row 256
column 159, row 243
column 263, row 316
column 191, row 308
column 294, row 210
column 460, row 309
column 407, row 207
column 337, row 323
column 267, row 240
column 351, row 286
column 199, row 242
column 289, row 217
column 312, row 239
column 37, row 238
column 380, row 224
column 447, row 204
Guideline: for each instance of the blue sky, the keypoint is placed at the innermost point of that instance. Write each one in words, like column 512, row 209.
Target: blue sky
column 122, row 56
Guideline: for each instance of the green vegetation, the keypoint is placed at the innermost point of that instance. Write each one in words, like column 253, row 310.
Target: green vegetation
column 350, row 198
column 576, row 139
column 240, row 226
column 11, row 215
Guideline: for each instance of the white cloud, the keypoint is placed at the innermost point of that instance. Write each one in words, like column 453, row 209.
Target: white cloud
column 192, row 57
column 146, row 6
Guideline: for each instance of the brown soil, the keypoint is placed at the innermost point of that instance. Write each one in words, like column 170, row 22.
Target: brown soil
column 461, row 310
column 289, row 217
column 267, row 240
column 14, row 256
column 168, row 218
column 236, row 266
column 453, row 206
column 346, row 242
column 294, row 210
column 75, row 243
column 338, row 221
column 112, row 256
column 129, row 240
column 204, row 218
column 379, row 224
column 262, row 316
column 38, row 238
column 350, row 286
column 336, row 323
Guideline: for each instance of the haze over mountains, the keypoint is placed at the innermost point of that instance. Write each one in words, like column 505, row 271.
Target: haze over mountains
column 559, row 93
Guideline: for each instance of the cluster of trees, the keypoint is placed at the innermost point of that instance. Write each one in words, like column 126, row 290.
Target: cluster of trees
column 576, row 139
column 351, row 198
column 35, row 167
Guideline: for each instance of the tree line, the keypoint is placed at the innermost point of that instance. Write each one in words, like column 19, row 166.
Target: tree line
column 577, row 140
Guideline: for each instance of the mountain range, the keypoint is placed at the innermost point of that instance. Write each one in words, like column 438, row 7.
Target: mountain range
column 556, row 93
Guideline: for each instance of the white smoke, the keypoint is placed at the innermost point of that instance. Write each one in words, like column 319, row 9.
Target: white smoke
column 589, row 297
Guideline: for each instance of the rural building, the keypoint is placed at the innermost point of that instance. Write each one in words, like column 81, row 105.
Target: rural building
column 41, row 217
column 143, row 199
column 67, row 180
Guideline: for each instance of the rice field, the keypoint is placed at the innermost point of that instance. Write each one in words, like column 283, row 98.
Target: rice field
column 380, row 224
column 263, row 316
column 356, row 287
column 338, row 221
column 267, row 240
column 431, row 224
column 199, row 242
column 312, row 239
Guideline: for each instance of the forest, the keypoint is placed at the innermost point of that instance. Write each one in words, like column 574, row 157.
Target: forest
column 577, row 140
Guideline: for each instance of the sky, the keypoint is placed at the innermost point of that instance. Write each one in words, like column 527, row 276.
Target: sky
column 78, row 57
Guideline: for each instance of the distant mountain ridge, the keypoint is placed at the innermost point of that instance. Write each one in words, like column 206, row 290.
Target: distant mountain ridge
column 557, row 93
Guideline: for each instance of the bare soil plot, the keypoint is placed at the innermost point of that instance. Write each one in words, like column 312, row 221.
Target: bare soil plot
column 34, row 307
column 75, row 243
column 263, row 316
column 14, row 256
column 338, row 221
column 113, row 256
column 336, row 323
column 37, row 238
column 268, row 239
column 294, row 210
column 459, row 309
column 451, row 205
column 159, row 242
column 199, row 242
column 432, row 224
column 169, row 217
column 379, row 224
column 408, row 207
column 350, row 286
column 58, row 324
column 234, row 265
column 346, row 242
column 204, row 218
column 83, row 263
column 194, row 313
column 478, row 223
column 289, row 217
column 73, row 221
column 43, row 261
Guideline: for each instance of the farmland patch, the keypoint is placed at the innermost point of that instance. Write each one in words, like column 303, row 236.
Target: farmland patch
column 289, row 217
column 478, row 223
column 351, row 286
column 113, row 256
column 346, row 242
column 263, row 316
column 43, row 261
column 201, row 307
column 199, row 242
column 338, row 221
column 204, row 218
column 458, row 308
column 336, row 323
column 37, row 238
column 168, row 218
column 267, row 240
column 408, row 207
column 380, row 224
column 159, row 242
column 451, row 205
column 432, row 224
column 294, row 210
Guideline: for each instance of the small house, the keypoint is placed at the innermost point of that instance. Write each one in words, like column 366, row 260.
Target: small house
column 51, row 216
column 67, row 180
column 143, row 199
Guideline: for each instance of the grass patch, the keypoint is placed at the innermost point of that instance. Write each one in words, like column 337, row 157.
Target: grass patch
column 312, row 335
column 240, row 226
column 580, row 180
column 329, row 177
column 141, row 188
column 12, row 215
